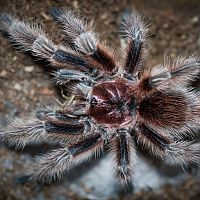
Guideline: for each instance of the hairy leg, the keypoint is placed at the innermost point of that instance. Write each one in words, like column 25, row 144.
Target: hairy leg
column 75, row 83
column 48, row 124
column 79, row 34
column 32, row 38
column 180, row 152
column 134, row 33
column 123, row 153
column 63, row 76
column 54, row 164
column 185, row 72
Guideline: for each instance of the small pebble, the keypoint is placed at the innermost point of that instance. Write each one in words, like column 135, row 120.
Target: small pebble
column 104, row 16
column 195, row 20
column 17, row 86
column 165, row 25
column 3, row 73
column 14, row 58
column 29, row 68
column 183, row 37
column 75, row 4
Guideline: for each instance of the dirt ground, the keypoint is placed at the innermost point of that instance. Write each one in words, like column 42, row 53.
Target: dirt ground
column 25, row 85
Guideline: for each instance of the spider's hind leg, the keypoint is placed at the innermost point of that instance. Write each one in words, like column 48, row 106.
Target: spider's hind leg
column 122, row 151
column 165, row 147
column 54, row 164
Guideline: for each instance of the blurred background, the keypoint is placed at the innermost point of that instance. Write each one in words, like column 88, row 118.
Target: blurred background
column 25, row 85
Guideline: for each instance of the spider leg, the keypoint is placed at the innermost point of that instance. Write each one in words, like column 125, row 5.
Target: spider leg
column 31, row 38
column 79, row 34
column 54, row 164
column 182, row 152
column 134, row 34
column 75, row 82
column 123, row 153
column 48, row 124
column 184, row 72
column 63, row 76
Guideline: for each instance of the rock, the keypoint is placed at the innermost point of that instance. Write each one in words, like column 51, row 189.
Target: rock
column 17, row 86
column 165, row 25
column 14, row 58
column 104, row 16
column 29, row 68
column 3, row 74
column 75, row 4
column 195, row 20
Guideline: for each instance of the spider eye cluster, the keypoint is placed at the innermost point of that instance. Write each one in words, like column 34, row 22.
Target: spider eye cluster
column 93, row 101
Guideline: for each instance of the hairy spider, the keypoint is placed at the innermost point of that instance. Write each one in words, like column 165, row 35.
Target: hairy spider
column 117, row 103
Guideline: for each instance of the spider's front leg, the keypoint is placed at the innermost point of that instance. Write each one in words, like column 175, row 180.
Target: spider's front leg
column 134, row 35
column 32, row 38
column 79, row 34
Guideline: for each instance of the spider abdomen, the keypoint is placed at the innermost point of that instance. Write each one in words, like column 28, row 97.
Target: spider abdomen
column 112, row 103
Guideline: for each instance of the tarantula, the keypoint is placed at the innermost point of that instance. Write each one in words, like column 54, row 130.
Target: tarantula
column 117, row 103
